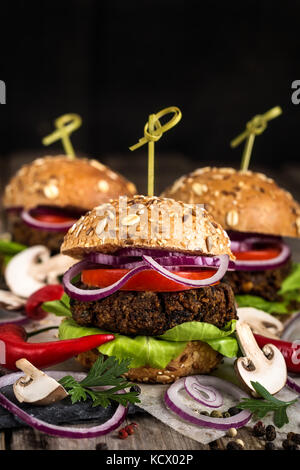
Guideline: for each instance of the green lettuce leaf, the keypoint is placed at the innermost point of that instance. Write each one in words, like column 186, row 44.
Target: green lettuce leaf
column 292, row 281
column 262, row 304
column 9, row 248
column 60, row 308
column 157, row 351
column 290, row 293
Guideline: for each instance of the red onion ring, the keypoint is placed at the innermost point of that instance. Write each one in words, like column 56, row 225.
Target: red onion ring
column 272, row 263
column 54, row 430
column 178, row 259
column 292, row 384
column 18, row 318
column 195, row 388
column 224, row 260
column 290, row 327
column 94, row 294
column 175, row 404
column 29, row 220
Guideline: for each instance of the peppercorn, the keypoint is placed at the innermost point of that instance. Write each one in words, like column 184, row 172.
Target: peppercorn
column 123, row 434
column 101, row 446
column 294, row 437
column 233, row 411
column 129, row 429
column 135, row 388
column 288, row 444
column 232, row 445
column 216, row 414
column 214, row 445
column 270, row 433
column 269, row 446
column 259, row 429
column 205, row 413
column 226, row 414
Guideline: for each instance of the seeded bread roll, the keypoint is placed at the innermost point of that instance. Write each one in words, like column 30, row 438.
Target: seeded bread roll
column 196, row 358
column 240, row 200
column 65, row 182
column 146, row 222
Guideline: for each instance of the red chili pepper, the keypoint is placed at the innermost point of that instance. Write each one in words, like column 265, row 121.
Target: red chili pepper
column 290, row 351
column 45, row 294
column 13, row 346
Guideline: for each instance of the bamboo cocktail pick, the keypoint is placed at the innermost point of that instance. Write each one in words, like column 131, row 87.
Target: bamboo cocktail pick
column 256, row 126
column 153, row 131
column 65, row 125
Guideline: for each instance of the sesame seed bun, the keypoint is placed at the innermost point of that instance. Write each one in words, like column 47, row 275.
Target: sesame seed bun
column 109, row 227
column 196, row 358
column 240, row 200
column 64, row 182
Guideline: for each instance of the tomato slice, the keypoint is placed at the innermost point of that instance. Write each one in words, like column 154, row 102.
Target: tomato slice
column 257, row 255
column 148, row 280
column 54, row 218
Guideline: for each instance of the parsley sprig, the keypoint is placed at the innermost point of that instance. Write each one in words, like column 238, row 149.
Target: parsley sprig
column 103, row 372
column 261, row 407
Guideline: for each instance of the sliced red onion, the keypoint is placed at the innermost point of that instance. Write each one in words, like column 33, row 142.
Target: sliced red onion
column 224, row 260
column 52, row 429
column 94, row 294
column 293, row 385
column 208, row 396
column 13, row 317
column 38, row 224
column 273, row 263
column 175, row 403
column 291, row 327
column 178, row 259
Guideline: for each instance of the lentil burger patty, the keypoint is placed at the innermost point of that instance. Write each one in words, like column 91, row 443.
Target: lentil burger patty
column 265, row 284
column 153, row 313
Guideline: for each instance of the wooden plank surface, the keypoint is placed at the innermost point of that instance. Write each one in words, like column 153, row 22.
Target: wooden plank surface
column 151, row 434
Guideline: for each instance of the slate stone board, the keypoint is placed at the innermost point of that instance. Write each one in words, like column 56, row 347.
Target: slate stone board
column 61, row 413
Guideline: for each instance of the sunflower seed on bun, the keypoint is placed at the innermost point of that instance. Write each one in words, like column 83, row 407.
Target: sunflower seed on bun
column 243, row 201
column 57, row 188
column 143, row 224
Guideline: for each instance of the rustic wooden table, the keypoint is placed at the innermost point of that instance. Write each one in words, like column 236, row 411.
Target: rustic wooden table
column 151, row 434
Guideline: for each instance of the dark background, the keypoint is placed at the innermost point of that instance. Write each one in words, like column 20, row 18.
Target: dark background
column 114, row 62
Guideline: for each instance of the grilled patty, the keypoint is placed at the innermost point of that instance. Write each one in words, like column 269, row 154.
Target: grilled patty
column 22, row 233
column 153, row 313
column 265, row 284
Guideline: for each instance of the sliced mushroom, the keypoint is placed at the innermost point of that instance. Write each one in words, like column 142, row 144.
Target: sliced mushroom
column 18, row 271
column 266, row 366
column 11, row 301
column 36, row 387
column 260, row 322
column 33, row 268
column 50, row 269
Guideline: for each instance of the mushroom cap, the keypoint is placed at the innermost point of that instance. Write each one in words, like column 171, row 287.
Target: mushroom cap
column 63, row 182
column 244, row 201
column 146, row 222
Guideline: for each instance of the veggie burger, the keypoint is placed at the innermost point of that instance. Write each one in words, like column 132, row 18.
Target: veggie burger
column 150, row 272
column 46, row 197
column 257, row 215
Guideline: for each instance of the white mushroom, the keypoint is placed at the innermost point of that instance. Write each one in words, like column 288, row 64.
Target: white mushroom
column 11, row 301
column 18, row 271
column 266, row 366
column 260, row 322
column 52, row 268
column 36, row 387
column 33, row 268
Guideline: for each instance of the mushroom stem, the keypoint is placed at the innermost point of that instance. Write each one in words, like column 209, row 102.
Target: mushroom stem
column 266, row 366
